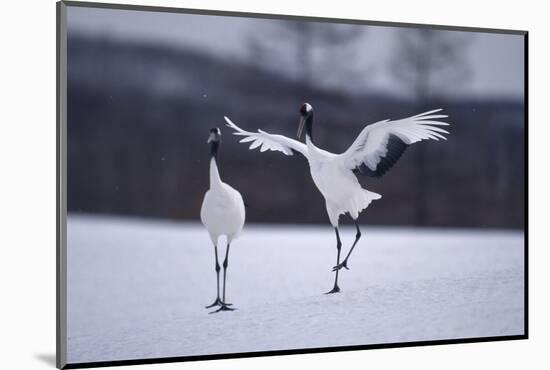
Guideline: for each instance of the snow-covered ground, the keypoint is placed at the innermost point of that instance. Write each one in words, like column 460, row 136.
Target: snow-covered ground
column 137, row 288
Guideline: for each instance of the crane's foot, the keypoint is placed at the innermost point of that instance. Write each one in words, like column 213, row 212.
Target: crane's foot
column 218, row 302
column 223, row 307
column 344, row 264
column 336, row 289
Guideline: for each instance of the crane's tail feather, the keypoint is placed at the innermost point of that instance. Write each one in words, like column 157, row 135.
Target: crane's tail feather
column 361, row 201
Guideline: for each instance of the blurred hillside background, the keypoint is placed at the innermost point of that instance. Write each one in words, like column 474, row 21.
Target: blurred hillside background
column 145, row 87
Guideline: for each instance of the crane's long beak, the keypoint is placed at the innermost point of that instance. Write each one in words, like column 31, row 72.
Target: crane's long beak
column 301, row 126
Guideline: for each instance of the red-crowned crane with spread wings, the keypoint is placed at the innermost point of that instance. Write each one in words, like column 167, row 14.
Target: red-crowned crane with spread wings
column 377, row 148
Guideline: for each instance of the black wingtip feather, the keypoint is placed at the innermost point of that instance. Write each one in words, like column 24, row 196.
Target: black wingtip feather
column 395, row 149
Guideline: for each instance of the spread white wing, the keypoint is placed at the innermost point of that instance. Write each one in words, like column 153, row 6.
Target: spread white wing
column 267, row 141
column 381, row 144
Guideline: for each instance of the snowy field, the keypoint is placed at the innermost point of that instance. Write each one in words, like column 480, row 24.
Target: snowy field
column 137, row 288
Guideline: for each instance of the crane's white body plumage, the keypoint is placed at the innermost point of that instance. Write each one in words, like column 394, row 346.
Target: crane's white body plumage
column 222, row 211
column 333, row 174
column 339, row 186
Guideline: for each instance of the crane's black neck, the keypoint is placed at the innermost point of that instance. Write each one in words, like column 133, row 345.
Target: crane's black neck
column 214, row 146
column 309, row 126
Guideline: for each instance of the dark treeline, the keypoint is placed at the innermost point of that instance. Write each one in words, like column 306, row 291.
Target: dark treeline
column 138, row 120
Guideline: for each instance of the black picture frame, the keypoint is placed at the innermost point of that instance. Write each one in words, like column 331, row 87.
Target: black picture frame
column 61, row 188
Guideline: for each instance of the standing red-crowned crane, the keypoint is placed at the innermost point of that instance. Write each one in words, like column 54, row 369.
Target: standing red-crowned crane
column 222, row 213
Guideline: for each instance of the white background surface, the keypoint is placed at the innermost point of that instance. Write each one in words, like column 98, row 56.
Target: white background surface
column 27, row 196
column 404, row 284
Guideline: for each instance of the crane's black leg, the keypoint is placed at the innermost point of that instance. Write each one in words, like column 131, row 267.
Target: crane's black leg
column 344, row 263
column 336, row 288
column 218, row 301
column 225, row 306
